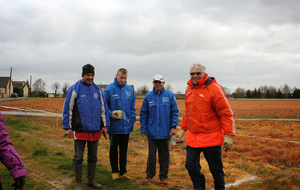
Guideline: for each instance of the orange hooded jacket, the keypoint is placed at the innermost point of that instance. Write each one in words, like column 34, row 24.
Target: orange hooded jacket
column 208, row 115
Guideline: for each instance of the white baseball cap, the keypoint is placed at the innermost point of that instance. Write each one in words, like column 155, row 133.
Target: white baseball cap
column 158, row 78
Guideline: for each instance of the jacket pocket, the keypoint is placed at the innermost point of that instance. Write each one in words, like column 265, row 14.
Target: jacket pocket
column 165, row 109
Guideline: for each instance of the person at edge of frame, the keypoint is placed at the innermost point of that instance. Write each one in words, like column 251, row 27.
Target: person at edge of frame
column 10, row 158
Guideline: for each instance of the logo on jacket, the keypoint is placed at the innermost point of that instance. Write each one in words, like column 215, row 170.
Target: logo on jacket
column 95, row 96
column 151, row 103
column 201, row 95
column 165, row 99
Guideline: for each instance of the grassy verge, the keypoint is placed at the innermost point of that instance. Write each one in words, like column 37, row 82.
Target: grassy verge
column 50, row 167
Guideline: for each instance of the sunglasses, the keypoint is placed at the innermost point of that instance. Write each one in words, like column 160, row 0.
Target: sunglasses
column 197, row 73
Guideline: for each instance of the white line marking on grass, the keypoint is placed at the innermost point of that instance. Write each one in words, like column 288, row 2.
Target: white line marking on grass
column 267, row 138
column 240, row 181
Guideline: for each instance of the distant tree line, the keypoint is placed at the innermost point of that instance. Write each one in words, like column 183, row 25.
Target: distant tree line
column 38, row 89
column 284, row 91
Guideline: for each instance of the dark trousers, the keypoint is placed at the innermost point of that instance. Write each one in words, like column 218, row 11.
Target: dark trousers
column 213, row 158
column 162, row 145
column 79, row 146
column 121, row 142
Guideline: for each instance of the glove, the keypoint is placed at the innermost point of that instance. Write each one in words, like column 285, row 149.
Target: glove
column 19, row 183
column 180, row 134
column 227, row 142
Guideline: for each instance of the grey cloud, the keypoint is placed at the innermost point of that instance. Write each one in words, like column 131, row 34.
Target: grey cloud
column 236, row 40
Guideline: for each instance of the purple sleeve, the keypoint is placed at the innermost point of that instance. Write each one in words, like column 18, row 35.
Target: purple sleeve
column 8, row 155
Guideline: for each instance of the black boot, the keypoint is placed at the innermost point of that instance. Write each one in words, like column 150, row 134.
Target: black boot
column 78, row 176
column 91, row 176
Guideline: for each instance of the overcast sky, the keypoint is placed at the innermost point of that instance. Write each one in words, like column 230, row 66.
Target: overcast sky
column 242, row 43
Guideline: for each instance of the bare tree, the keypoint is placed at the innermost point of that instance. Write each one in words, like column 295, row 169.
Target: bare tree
column 39, row 85
column 263, row 90
column 55, row 87
column 65, row 89
column 271, row 92
column 142, row 90
column 168, row 87
column 227, row 91
column 286, row 90
column 240, row 93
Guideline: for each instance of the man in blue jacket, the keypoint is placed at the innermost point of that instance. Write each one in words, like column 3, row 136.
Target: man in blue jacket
column 121, row 103
column 159, row 117
column 85, row 114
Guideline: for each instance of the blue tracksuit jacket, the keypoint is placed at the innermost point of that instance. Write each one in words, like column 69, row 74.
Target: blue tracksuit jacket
column 85, row 108
column 159, row 113
column 120, row 97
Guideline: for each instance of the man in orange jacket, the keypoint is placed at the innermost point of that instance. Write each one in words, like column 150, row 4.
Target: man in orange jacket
column 209, row 123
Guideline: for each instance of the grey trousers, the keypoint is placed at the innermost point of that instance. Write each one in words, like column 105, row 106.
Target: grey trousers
column 79, row 146
column 162, row 145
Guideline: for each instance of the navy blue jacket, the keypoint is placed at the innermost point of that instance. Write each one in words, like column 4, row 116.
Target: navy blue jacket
column 159, row 113
column 85, row 108
column 120, row 97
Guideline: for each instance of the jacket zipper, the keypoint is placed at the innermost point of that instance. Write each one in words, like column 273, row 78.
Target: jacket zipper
column 157, row 113
column 190, row 119
column 122, row 109
column 91, row 107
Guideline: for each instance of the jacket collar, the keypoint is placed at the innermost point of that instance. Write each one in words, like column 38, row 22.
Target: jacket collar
column 202, row 82
column 84, row 83
column 118, row 84
column 158, row 92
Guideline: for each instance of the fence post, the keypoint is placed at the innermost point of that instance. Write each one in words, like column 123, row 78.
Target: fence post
column 57, row 121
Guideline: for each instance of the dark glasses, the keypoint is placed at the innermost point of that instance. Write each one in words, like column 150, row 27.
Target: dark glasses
column 197, row 73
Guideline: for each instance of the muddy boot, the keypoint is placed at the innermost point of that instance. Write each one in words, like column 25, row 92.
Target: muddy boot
column 78, row 176
column 91, row 176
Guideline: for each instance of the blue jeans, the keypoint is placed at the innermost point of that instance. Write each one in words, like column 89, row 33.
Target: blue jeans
column 213, row 158
column 79, row 146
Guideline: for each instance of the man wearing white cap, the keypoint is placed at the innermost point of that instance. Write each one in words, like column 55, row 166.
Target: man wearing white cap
column 158, row 118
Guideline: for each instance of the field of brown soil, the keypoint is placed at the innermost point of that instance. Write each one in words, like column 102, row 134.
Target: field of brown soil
column 285, row 109
column 273, row 163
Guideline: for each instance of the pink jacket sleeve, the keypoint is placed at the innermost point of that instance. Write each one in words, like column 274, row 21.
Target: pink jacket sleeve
column 8, row 155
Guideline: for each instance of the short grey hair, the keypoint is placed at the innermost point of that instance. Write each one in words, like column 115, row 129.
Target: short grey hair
column 198, row 66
